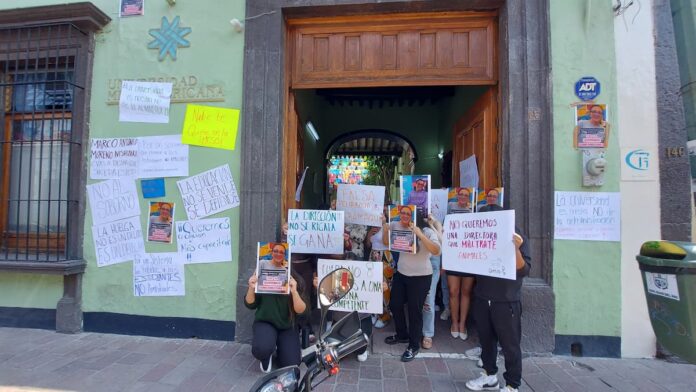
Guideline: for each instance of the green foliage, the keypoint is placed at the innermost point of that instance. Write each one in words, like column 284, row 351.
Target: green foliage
column 380, row 170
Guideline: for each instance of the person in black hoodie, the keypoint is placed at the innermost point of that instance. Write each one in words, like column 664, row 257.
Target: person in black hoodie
column 496, row 310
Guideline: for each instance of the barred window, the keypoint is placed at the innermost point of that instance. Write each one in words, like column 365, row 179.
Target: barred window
column 40, row 140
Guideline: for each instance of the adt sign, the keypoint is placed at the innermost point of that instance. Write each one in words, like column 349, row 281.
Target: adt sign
column 587, row 88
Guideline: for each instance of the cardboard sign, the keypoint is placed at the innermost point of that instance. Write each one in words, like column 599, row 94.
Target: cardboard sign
column 113, row 158
column 362, row 204
column 204, row 240
column 209, row 126
column 208, row 193
column 146, row 102
column 118, row 241
column 366, row 295
column 588, row 216
column 273, row 268
column 158, row 275
column 113, row 200
column 480, row 244
column 316, row 231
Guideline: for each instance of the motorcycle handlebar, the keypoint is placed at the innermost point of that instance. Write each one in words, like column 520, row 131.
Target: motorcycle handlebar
column 351, row 344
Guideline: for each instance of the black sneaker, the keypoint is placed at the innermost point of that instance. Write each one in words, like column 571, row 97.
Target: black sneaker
column 409, row 355
column 394, row 339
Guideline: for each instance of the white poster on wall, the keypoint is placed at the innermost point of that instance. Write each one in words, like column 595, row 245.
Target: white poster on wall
column 204, row 240
column 209, row 192
column 366, row 295
column 158, row 275
column 480, row 244
column 362, row 204
column 113, row 200
column 145, row 102
column 113, row 158
column 587, row 216
column 163, row 156
column 118, row 241
column 468, row 173
column 315, row 231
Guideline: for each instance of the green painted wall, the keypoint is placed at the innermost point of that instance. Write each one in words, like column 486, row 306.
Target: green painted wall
column 30, row 290
column 215, row 57
column 586, row 274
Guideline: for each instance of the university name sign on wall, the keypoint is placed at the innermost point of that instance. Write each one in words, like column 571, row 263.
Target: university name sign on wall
column 184, row 89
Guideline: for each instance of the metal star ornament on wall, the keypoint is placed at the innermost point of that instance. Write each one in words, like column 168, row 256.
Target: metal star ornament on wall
column 168, row 38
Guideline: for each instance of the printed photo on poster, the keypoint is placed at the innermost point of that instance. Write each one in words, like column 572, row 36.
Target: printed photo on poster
column 461, row 200
column 415, row 190
column 591, row 126
column 159, row 228
column 132, row 7
column 489, row 199
column 401, row 236
column 273, row 268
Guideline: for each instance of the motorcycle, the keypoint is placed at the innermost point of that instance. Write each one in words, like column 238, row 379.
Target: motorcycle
column 341, row 339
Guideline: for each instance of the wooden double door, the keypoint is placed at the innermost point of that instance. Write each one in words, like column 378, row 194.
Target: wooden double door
column 415, row 49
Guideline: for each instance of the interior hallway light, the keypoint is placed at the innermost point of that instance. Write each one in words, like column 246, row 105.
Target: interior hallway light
column 312, row 131
column 440, row 155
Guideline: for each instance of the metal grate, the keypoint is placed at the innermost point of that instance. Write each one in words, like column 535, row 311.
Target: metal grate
column 39, row 78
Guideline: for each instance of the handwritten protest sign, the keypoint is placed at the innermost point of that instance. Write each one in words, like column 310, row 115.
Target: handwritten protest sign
column 205, row 240
column 366, row 295
column 273, row 268
column 209, row 126
column 588, row 216
column 362, row 204
column 113, row 158
column 315, row 231
column 158, row 275
column 468, row 173
column 480, row 244
column 146, row 102
column 209, row 192
column 113, row 200
column 163, row 156
column 438, row 203
column 119, row 241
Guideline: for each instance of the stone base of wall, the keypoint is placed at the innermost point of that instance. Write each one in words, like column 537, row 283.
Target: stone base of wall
column 165, row 327
column 538, row 317
column 27, row 318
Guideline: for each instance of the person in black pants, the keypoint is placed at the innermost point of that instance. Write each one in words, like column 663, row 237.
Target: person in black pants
column 496, row 311
column 411, row 281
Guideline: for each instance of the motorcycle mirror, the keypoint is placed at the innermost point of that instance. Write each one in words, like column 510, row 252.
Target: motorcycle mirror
column 335, row 286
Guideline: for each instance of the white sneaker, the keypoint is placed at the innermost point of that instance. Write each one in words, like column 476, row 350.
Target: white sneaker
column 508, row 388
column 473, row 353
column 445, row 315
column 483, row 383
column 379, row 324
column 270, row 365
column 362, row 357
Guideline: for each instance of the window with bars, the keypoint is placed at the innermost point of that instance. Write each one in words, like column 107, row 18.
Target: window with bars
column 40, row 140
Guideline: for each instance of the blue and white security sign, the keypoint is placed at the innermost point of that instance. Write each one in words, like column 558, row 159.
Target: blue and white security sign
column 587, row 88
column 639, row 164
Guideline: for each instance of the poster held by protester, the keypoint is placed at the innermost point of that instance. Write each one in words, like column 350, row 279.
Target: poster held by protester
column 468, row 173
column 461, row 200
column 438, row 203
column 401, row 236
column 160, row 222
column 480, row 244
column 489, row 197
column 272, row 268
column 316, row 231
column 366, row 295
column 415, row 190
column 362, row 204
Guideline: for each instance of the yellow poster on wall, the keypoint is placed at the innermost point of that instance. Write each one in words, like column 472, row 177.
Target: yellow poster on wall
column 210, row 126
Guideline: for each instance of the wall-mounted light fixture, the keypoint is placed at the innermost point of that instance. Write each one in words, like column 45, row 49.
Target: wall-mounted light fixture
column 238, row 25
column 312, row 131
column 440, row 155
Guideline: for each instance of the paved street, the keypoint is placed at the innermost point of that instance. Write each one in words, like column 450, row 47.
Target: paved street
column 39, row 360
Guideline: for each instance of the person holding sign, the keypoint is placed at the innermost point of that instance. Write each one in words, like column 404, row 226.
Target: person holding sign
column 496, row 310
column 274, row 326
column 411, row 284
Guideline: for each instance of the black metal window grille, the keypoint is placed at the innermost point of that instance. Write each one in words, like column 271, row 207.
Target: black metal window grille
column 39, row 78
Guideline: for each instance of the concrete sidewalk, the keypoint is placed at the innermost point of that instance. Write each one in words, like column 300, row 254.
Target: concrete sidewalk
column 39, row 360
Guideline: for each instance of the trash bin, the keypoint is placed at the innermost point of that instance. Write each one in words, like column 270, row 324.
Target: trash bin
column 669, row 280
